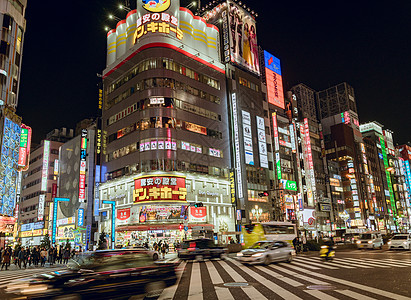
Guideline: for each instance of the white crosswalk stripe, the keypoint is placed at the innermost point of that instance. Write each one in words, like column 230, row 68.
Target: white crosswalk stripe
column 6, row 277
column 296, row 280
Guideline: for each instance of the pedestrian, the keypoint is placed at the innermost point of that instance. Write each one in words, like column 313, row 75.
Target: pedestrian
column 36, row 256
column 296, row 244
column 28, row 254
column 6, row 258
column 66, row 255
column 155, row 246
column 60, row 255
column 43, row 257
column 163, row 250
column 20, row 256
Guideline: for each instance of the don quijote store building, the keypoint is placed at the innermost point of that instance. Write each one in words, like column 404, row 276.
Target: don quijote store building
column 165, row 128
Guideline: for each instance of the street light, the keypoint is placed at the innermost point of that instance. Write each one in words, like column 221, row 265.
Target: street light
column 126, row 8
column 113, row 221
column 113, row 17
column 55, row 209
column 257, row 212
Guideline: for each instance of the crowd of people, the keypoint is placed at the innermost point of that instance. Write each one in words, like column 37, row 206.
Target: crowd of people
column 23, row 256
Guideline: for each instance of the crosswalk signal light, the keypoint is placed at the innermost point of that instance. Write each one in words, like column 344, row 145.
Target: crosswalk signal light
column 199, row 204
column 181, row 227
column 263, row 194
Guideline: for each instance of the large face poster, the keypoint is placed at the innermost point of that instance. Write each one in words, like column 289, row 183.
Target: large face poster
column 243, row 38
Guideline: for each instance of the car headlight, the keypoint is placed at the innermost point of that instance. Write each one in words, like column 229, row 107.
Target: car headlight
column 369, row 242
column 389, row 243
column 239, row 254
column 358, row 242
column 257, row 255
column 405, row 243
column 38, row 288
column 324, row 247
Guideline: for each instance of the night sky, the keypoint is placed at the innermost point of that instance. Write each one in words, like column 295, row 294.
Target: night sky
column 365, row 43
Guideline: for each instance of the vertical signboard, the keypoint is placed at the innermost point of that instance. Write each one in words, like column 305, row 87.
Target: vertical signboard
column 45, row 169
column 276, row 146
column 262, row 143
column 388, row 175
column 97, row 192
column 83, row 158
column 80, row 217
column 23, row 147
column 237, row 147
column 274, row 80
column 40, row 213
column 248, row 138
column 243, row 38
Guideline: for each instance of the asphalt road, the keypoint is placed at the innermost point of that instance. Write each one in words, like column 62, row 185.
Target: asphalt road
column 355, row 274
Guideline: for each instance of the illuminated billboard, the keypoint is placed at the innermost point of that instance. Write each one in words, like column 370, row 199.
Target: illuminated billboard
column 274, row 80
column 160, row 188
column 83, row 157
column 243, row 38
column 24, row 149
column 45, row 169
column 8, row 166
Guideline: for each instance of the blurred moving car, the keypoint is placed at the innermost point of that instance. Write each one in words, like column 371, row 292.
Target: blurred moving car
column 400, row 241
column 265, row 252
column 153, row 253
column 108, row 274
column 370, row 240
column 200, row 249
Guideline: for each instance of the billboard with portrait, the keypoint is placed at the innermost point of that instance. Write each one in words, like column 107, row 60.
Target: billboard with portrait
column 243, row 38
column 274, row 80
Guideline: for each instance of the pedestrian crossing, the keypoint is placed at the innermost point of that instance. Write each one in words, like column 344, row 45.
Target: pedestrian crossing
column 6, row 277
column 300, row 279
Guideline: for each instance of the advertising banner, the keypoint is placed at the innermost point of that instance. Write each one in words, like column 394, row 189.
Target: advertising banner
column 83, row 157
column 262, row 143
column 80, row 217
column 198, row 214
column 65, row 232
column 243, row 38
column 123, row 214
column 274, row 80
column 157, row 213
column 161, row 188
column 30, row 226
column 248, row 138
column 7, row 224
column 45, row 169
column 40, row 213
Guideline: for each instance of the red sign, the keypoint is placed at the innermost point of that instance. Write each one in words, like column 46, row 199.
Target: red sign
column 123, row 214
column 160, row 188
column 275, row 88
column 82, row 181
column 54, row 191
column 22, row 156
column 198, row 212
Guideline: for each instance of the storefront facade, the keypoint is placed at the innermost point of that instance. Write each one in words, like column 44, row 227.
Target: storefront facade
column 163, row 206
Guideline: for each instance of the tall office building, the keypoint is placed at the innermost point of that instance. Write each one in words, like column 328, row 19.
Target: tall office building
column 11, row 50
column 305, row 97
column 335, row 100
column 165, row 127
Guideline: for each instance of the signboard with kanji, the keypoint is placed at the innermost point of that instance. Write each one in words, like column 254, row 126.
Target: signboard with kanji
column 160, row 188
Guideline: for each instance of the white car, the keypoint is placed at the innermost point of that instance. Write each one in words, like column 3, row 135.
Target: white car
column 370, row 240
column 265, row 252
column 400, row 241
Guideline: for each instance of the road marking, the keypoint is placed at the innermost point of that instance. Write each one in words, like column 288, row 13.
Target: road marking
column 306, row 266
column 359, row 261
column 360, row 286
column 251, row 291
column 384, row 262
column 343, row 262
column 298, row 275
column 223, row 293
column 287, row 280
column 214, row 275
column 320, row 295
column 354, row 295
column 168, row 293
column 308, row 261
column 195, row 290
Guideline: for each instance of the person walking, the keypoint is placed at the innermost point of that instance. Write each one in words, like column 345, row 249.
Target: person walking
column 6, row 258
column 66, row 255
column 296, row 244
column 43, row 257
column 20, row 257
column 163, row 250
column 36, row 256
column 60, row 255
column 28, row 254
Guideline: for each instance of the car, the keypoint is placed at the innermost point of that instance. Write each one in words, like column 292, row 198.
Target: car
column 370, row 240
column 107, row 274
column 199, row 249
column 266, row 252
column 400, row 241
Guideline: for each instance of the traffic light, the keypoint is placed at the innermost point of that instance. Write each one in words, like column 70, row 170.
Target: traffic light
column 199, row 204
column 180, row 227
column 263, row 194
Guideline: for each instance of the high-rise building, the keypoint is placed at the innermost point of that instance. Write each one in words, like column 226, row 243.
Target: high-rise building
column 11, row 49
column 335, row 100
column 39, row 187
column 306, row 104
column 166, row 131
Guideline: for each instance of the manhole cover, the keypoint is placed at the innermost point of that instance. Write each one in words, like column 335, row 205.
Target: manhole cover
column 235, row 284
column 321, row 287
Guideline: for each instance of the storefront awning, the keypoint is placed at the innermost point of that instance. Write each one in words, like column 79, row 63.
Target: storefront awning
column 160, row 227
